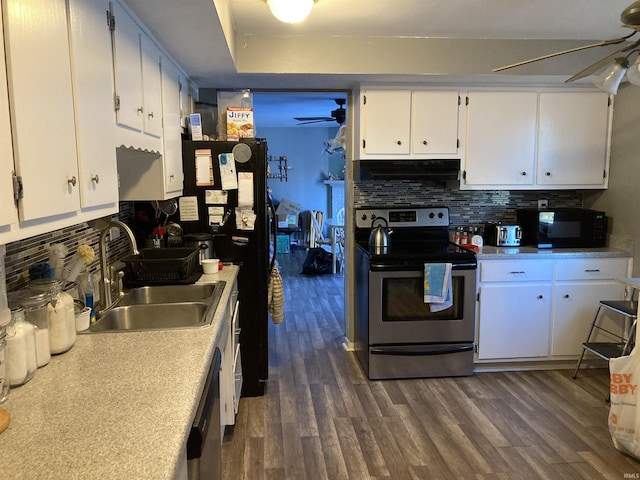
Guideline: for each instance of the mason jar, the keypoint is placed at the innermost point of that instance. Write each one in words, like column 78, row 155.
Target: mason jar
column 61, row 315
column 4, row 382
column 21, row 349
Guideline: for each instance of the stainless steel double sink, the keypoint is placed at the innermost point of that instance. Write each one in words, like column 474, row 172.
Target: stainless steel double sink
column 161, row 308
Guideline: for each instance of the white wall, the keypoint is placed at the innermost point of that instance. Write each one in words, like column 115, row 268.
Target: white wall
column 621, row 201
column 303, row 148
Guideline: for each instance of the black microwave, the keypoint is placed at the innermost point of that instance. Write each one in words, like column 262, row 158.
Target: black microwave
column 562, row 227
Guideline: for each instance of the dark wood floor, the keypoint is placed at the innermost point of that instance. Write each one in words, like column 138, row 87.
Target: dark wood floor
column 322, row 418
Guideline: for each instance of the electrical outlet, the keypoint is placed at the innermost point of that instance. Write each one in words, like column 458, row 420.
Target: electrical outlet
column 543, row 204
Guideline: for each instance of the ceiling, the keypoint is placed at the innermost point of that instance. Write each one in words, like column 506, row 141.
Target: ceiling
column 213, row 41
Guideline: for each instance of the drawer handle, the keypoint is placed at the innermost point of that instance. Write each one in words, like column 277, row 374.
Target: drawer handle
column 399, row 142
column 539, row 297
column 424, row 142
column 72, row 181
column 95, row 178
column 592, row 270
column 566, row 295
column 518, row 273
column 548, row 174
column 524, row 174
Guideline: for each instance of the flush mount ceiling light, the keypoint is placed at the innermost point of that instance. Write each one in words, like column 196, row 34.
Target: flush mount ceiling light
column 291, row 11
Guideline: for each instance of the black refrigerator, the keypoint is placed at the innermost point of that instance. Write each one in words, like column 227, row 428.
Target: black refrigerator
column 233, row 240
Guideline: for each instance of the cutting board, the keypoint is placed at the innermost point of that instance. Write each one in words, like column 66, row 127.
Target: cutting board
column 4, row 419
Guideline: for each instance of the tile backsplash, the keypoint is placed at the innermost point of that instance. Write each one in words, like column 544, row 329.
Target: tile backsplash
column 24, row 253
column 466, row 207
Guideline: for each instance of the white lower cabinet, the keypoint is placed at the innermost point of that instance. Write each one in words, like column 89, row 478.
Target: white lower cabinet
column 231, row 369
column 542, row 309
column 514, row 309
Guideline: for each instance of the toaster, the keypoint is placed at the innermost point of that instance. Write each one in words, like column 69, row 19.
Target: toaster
column 500, row 235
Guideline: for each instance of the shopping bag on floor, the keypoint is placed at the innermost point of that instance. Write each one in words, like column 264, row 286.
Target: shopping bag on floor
column 624, row 418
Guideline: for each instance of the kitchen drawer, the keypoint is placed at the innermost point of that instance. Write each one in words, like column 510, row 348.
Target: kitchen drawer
column 591, row 269
column 516, row 270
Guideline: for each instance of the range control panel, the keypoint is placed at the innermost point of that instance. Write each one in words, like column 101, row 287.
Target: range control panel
column 403, row 217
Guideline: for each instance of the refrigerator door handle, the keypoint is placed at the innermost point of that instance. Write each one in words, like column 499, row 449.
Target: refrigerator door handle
column 274, row 229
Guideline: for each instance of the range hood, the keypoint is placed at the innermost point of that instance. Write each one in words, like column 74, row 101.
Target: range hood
column 443, row 169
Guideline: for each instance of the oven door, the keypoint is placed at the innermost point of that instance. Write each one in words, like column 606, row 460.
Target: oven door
column 398, row 314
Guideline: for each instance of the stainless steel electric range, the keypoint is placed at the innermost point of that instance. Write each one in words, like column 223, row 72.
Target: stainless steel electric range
column 396, row 333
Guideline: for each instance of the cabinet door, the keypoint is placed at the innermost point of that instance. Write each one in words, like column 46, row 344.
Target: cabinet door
column 8, row 210
column 152, row 86
column 171, row 135
column 501, row 138
column 434, row 122
column 93, row 91
column 386, row 117
column 576, row 304
column 573, row 138
column 128, row 70
column 41, row 104
column 514, row 320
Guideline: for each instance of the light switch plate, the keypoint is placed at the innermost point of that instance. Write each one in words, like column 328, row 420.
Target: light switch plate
column 543, row 204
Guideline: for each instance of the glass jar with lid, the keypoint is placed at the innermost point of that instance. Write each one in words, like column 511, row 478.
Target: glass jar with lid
column 35, row 303
column 21, row 349
column 61, row 316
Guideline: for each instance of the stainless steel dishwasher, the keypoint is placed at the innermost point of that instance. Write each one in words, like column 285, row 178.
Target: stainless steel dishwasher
column 204, row 446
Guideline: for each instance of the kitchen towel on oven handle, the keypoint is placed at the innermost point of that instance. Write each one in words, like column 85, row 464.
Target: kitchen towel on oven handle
column 275, row 294
column 437, row 286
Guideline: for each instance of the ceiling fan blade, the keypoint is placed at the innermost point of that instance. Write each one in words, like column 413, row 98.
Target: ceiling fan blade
column 308, row 119
column 601, row 63
column 603, row 43
column 318, row 120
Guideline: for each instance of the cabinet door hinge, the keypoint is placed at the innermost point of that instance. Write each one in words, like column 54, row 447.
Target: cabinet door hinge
column 18, row 188
column 457, row 143
column 364, row 99
column 459, row 100
column 464, row 174
column 478, row 296
column 111, row 21
column 466, row 102
column 604, row 174
column 116, row 102
column 475, row 347
column 364, row 144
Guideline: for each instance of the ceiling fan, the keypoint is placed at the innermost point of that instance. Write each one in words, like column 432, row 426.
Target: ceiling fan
column 630, row 18
column 338, row 115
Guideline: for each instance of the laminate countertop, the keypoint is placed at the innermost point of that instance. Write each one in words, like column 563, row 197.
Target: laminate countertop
column 501, row 253
column 117, row 405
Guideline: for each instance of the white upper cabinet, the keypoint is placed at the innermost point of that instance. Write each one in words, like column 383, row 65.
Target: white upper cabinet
column 501, row 139
column 8, row 212
column 386, row 122
column 41, row 106
column 93, row 90
column 151, row 86
column 537, row 140
column 128, row 69
column 171, row 118
column 434, row 122
column 403, row 124
column 573, row 139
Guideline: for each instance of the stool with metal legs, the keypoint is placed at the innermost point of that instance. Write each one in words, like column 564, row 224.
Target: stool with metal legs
column 620, row 342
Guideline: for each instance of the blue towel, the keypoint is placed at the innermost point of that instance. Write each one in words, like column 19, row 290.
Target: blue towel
column 437, row 286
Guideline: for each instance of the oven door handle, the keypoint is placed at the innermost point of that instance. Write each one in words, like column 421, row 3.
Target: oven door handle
column 421, row 350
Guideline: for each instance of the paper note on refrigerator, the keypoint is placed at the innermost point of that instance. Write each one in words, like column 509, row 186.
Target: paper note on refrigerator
column 245, row 189
column 188, row 207
column 215, row 197
column 204, row 168
column 228, row 176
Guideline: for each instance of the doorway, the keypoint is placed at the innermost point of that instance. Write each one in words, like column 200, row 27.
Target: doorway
column 304, row 127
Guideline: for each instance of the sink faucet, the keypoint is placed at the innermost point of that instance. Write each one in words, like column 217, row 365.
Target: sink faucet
column 106, row 282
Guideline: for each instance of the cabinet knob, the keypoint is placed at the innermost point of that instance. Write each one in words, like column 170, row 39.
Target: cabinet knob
column 424, row 142
column 140, row 109
column 566, row 295
column 95, row 178
column 524, row 174
column 171, row 176
column 150, row 115
column 548, row 174
column 399, row 142
column 72, row 181
column 539, row 297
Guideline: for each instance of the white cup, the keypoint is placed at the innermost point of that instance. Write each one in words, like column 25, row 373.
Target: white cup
column 210, row 265
column 83, row 319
